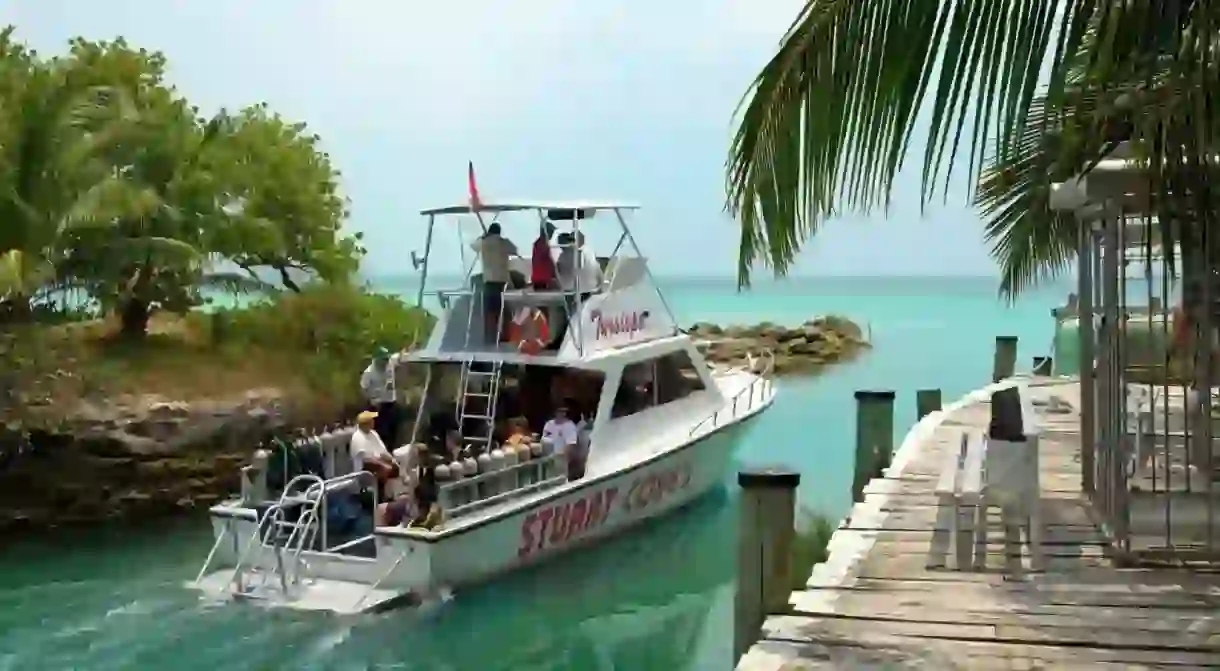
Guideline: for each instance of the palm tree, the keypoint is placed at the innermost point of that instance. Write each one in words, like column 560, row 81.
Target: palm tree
column 53, row 128
column 829, row 120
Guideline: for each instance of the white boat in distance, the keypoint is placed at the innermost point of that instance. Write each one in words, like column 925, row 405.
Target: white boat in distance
column 661, row 425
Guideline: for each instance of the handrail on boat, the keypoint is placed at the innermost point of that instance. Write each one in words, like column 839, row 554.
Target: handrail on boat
column 762, row 381
column 499, row 480
column 314, row 488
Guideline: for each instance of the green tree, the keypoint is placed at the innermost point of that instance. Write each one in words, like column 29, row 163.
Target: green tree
column 55, row 128
column 288, row 212
column 164, row 198
column 830, row 118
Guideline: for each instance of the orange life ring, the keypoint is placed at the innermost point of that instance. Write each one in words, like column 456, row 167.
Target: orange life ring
column 529, row 330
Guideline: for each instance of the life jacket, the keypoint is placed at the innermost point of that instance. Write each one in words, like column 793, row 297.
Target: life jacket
column 529, row 330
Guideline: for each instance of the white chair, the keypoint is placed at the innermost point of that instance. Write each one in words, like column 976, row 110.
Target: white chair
column 959, row 492
column 1011, row 483
column 991, row 472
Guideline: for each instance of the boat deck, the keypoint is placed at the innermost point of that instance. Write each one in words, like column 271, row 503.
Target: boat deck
column 315, row 594
column 876, row 604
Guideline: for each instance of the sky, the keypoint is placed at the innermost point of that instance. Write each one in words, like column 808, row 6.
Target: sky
column 616, row 100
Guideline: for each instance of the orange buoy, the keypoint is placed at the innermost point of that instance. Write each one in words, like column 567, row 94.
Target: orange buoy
column 529, row 330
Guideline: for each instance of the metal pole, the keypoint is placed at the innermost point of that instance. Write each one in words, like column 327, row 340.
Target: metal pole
column 580, row 342
column 647, row 269
column 423, row 273
column 1084, row 336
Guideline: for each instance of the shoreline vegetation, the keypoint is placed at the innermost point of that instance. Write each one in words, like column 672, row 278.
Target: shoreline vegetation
column 122, row 209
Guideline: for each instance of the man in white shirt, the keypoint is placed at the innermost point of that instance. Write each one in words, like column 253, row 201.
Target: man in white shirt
column 378, row 385
column 369, row 453
column 494, row 251
column 560, row 433
column 577, row 270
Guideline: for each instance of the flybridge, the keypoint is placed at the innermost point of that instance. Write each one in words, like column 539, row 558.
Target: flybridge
column 598, row 296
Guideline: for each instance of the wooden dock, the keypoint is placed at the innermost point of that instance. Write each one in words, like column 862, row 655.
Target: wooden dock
column 876, row 604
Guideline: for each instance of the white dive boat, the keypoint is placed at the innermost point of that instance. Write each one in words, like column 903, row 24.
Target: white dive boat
column 664, row 424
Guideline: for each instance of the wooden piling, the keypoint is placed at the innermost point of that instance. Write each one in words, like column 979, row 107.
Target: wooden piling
column 927, row 401
column 874, row 438
column 1005, row 358
column 767, row 525
column 1043, row 365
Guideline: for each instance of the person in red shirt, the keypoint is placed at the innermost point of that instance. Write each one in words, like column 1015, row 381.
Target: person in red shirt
column 542, row 274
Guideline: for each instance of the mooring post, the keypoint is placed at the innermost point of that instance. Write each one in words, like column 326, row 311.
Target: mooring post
column 1005, row 358
column 927, row 401
column 874, row 438
column 1043, row 365
column 767, row 525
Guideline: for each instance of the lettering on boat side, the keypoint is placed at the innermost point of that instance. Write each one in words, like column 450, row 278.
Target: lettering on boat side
column 654, row 488
column 629, row 323
column 558, row 524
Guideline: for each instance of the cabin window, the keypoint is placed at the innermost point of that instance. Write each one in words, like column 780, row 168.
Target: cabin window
column 538, row 390
column 655, row 382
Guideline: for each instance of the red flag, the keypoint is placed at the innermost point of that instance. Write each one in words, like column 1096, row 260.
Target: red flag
column 475, row 203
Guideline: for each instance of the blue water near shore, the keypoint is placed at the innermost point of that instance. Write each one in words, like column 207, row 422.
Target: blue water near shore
column 658, row 599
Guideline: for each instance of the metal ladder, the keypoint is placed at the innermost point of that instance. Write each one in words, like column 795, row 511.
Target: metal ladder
column 285, row 538
column 480, row 390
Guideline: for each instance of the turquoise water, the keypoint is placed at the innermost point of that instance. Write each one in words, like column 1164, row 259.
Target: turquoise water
column 657, row 599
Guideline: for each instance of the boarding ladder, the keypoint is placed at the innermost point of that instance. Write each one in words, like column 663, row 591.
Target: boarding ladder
column 480, row 393
column 284, row 538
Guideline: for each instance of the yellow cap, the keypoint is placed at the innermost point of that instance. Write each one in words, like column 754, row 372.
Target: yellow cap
column 366, row 416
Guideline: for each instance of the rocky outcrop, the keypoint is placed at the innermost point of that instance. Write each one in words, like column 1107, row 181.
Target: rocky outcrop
column 807, row 348
column 131, row 458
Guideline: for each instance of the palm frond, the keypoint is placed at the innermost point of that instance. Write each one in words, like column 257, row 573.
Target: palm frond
column 830, row 117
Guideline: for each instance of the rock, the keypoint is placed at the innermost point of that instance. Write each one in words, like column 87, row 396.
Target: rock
column 134, row 457
column 705, row 329
column 807, row 348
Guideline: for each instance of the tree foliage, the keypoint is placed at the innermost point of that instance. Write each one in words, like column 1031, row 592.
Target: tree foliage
column 112, row 183
column 830, row 118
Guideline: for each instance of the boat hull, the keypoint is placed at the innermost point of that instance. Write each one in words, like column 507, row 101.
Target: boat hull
column 582, row 514
column 579, row 514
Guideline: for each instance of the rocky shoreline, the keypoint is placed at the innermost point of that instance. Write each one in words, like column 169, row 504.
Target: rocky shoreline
column 803, row 349
column 133, row 458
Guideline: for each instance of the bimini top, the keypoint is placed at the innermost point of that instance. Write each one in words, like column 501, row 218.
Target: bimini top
column 517, row 205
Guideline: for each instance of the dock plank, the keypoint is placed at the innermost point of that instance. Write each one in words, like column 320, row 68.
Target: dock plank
column 875, row 603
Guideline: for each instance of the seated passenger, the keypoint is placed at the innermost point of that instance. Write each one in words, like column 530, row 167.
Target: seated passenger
column 368, row 453
column 427, row 512
column 518, row 432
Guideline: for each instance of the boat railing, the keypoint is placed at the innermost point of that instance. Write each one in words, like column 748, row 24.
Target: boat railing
column 475, row 492
column 309, row 493
column 755, row 392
